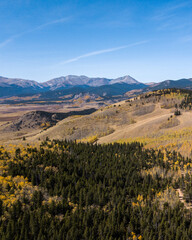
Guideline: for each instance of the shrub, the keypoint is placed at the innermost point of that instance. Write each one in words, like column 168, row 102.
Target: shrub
column 177, row 112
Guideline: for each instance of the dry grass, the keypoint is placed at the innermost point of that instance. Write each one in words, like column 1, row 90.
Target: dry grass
column 178, row 140
column 170, row 122
column 142, row 110
column 118, row 122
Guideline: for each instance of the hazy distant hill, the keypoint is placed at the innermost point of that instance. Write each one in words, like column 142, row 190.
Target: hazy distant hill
column 181, row 83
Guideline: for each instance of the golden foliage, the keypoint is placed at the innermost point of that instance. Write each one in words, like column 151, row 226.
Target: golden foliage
column 168, row 196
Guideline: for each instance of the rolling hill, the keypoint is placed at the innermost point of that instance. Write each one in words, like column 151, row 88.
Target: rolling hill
column 42, row 119
column 149, row 118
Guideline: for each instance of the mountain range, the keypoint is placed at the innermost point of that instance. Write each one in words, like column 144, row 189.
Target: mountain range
column 15, row 86
column 81, row 84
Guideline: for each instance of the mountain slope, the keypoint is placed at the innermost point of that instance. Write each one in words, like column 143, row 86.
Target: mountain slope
column 71, row 81
column 125, row 79
column 104, row 91
column 15, row 86
column 181, row 83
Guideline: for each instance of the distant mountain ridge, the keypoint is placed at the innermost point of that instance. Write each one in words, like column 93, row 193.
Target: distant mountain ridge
column 181, row 83
column 73, row 80
column 69, row 84
column 15, row 86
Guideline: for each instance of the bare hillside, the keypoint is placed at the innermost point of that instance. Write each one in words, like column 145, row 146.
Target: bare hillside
column 33, row 122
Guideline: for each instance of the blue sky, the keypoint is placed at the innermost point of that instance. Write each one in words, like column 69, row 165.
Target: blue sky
column 148, row 40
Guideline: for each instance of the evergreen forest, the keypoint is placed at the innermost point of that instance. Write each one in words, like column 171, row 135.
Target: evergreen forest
column 68, row 190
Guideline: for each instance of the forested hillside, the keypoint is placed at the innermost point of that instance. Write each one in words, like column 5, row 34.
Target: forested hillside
column 69, row 190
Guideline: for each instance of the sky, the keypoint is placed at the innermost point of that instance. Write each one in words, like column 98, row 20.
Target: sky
column 150, row 40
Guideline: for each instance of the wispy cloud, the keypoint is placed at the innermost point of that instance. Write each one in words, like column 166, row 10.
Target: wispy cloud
column 12, row 38
column 7, row 41
column 108, row 50
column 169, row 11
column 61, row 20
column 171, row 17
